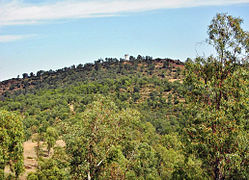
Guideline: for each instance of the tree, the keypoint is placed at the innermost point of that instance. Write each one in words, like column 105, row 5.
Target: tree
column 166, row 64
column 91, row 139
column 178, row 72
column 218, row 102
column 229, row 39
column 25, row 75
column 11, row 139
column 31, row 74
column 51, row 136
column 48, row 169
column 40, row 73
column 38, row 137
column 107, row 143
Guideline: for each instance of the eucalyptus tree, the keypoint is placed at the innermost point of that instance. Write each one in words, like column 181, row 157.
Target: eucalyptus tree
column 105, row 142
column 11, row 143
column 218, row 101
column 51, row 136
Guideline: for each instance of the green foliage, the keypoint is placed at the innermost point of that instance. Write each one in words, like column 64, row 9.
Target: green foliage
column 107, row 143
column 51, row 136
column 95, row 132
column 11, row 139
column 48, row 169
column 218, row 102
column 128, row 120
column 56, row 167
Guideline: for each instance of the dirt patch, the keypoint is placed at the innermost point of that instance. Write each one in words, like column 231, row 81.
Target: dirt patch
column 30, row 158
column 71, row 106
column 159, row 65
column 173, row 80
column 60, row 143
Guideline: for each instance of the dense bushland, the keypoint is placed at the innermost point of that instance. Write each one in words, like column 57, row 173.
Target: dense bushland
column 137, row 119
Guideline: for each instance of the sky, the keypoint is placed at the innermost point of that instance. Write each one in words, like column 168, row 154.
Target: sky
column 50, row 34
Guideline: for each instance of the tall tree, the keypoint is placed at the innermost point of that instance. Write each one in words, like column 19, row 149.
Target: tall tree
column 218, row 101
column 107, row 143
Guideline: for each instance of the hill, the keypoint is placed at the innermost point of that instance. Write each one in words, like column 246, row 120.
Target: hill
column 136, row 119
column 55, row 98
column 99, row 70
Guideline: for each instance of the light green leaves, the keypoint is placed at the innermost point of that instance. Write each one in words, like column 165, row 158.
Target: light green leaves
column 11, row 139
column 218, row 101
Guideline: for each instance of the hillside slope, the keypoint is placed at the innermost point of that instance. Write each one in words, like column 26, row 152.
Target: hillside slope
column 99, row 70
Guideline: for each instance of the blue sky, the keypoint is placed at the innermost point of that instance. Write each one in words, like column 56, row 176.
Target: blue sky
column 42, row 35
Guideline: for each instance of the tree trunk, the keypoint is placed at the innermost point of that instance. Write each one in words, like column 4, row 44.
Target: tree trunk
column 89, row 175
column 217, row 171
column 2, row 166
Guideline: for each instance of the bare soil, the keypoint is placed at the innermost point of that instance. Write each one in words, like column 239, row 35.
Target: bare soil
column 30, row 158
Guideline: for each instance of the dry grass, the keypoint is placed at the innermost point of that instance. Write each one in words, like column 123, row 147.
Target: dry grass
column 30, row 157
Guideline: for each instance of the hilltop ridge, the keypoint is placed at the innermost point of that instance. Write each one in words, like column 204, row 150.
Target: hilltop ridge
column 100, row 69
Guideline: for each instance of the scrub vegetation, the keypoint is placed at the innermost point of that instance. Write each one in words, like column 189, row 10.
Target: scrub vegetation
column 141, row 118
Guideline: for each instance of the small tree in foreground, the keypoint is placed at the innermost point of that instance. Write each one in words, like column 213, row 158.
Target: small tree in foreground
column 11, row 139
